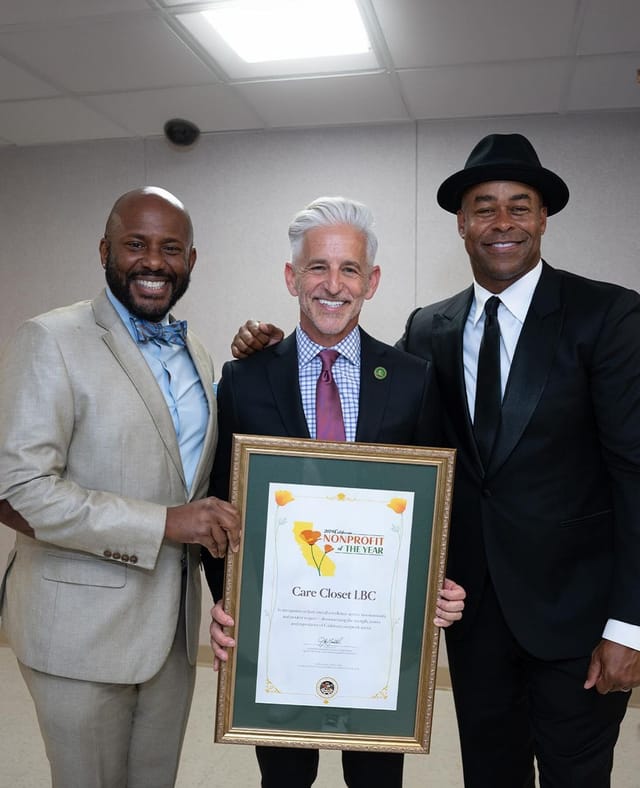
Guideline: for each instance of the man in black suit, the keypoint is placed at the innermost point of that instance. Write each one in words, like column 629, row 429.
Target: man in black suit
column 546, row 527
column 386, row 396
column 545, row 533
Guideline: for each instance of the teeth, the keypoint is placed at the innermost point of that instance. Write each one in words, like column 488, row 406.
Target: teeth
column 504, row 244
column 331, row 304
column 152, row 284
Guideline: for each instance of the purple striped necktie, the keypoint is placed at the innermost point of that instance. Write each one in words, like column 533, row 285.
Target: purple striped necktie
column 329, row 421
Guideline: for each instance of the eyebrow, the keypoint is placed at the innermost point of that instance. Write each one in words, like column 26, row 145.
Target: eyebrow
column 144, row 236
column 493, row 198
column 342, row 262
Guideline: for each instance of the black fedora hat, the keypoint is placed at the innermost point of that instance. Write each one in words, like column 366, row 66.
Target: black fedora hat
column 504, row 157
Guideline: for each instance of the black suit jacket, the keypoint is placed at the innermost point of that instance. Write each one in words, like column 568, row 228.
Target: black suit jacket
column 555, row 517
column 260, row 395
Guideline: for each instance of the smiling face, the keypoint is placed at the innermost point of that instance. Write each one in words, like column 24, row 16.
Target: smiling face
column 332, row 279
column 502, row 224
column 147, row 254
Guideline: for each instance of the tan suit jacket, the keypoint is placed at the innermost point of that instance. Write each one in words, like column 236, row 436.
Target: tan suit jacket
column 89, row 456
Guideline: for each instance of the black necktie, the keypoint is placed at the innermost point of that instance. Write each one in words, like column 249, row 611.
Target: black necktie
column 488, row 388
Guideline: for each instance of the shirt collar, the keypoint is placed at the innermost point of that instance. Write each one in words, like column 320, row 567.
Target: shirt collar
column 349, row 347
column 516, row 298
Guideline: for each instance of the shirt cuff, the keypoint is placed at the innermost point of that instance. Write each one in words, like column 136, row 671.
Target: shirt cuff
column 622, row 633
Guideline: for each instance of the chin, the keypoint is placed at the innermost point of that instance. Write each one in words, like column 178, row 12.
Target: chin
column 154, row 312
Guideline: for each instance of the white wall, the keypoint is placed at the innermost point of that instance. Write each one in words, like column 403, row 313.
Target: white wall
column 243, row 188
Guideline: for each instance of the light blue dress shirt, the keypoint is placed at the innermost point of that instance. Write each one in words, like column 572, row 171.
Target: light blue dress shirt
column 178, row 379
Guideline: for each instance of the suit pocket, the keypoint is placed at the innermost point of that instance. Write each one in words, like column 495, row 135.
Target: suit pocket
column 589, row 521
column 83, row 571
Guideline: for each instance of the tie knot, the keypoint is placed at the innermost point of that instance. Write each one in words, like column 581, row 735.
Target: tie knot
column 491, row 307
column 328, row 358
column 171, row 333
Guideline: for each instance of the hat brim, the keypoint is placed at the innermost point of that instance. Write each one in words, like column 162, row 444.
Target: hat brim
column 554, row 191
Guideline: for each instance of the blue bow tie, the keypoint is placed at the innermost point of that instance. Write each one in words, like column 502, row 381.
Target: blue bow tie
column 175, row 332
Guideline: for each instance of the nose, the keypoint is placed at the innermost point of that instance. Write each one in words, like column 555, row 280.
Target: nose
column 503, row 219
column 333, row 281
column 153, row 258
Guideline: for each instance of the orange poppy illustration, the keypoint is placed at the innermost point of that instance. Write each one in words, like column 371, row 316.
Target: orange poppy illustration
column 310, row 537
column 283, row 497
column 398, row 505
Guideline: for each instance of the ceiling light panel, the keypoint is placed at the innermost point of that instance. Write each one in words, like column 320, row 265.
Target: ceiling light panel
column 252, row 39
column 290, row 29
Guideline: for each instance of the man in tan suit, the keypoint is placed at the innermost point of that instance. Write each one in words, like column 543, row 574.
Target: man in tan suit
column 107, row 433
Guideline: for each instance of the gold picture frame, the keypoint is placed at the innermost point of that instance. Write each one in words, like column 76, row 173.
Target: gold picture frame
column 333, row 592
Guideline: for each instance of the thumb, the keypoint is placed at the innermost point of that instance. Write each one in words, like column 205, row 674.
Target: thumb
column 594, row 672
column 274, row 333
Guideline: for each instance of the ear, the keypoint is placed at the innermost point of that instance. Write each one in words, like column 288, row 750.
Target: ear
column 104, row 251
column 374, row 281
column 193, row 256
column 543, row 219
column 290, row 278
column 461, row 223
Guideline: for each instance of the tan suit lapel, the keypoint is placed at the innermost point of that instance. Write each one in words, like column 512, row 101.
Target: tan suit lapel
column 204, row 369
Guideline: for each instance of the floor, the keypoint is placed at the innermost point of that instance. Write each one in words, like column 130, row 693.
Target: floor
column 205, row 765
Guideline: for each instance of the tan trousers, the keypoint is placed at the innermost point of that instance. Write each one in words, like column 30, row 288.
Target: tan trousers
column 115, row 735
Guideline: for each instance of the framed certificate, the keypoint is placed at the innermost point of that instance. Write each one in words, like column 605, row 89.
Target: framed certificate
column 333, row 592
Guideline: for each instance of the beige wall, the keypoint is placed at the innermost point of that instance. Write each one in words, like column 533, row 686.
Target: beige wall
column 243, row 188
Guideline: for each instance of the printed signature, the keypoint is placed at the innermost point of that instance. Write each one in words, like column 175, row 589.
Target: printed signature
column 324, row 642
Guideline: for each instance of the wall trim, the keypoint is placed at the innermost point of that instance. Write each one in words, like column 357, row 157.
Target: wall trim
column 443, row 679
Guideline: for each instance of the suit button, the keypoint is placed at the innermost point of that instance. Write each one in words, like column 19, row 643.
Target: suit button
column 486, row 492
column 116, row 556
column 133, row 559
column 125, row 557
column 107, row 554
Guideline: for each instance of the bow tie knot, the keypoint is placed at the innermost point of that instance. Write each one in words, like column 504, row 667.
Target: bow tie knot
column 170, row 333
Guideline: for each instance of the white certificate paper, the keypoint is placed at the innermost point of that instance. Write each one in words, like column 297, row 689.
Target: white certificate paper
column 333, row 598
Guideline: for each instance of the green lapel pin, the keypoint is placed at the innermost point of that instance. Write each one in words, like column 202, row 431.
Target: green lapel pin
column 379, row 373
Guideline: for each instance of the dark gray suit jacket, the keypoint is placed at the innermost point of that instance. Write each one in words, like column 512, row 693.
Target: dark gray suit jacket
column 260, row 395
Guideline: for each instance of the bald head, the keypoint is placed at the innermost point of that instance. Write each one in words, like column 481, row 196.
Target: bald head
column 147, row 195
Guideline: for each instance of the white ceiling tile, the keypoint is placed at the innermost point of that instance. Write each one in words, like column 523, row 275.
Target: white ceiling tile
column 22, row 11
column 15, row 83
column 53, row 120
column 107, row 55
column 444, row 32
column 123, row 67
column 210, row 107
column 610, row 26
column 485, row 90
column 606, row 81
column 369, row 98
